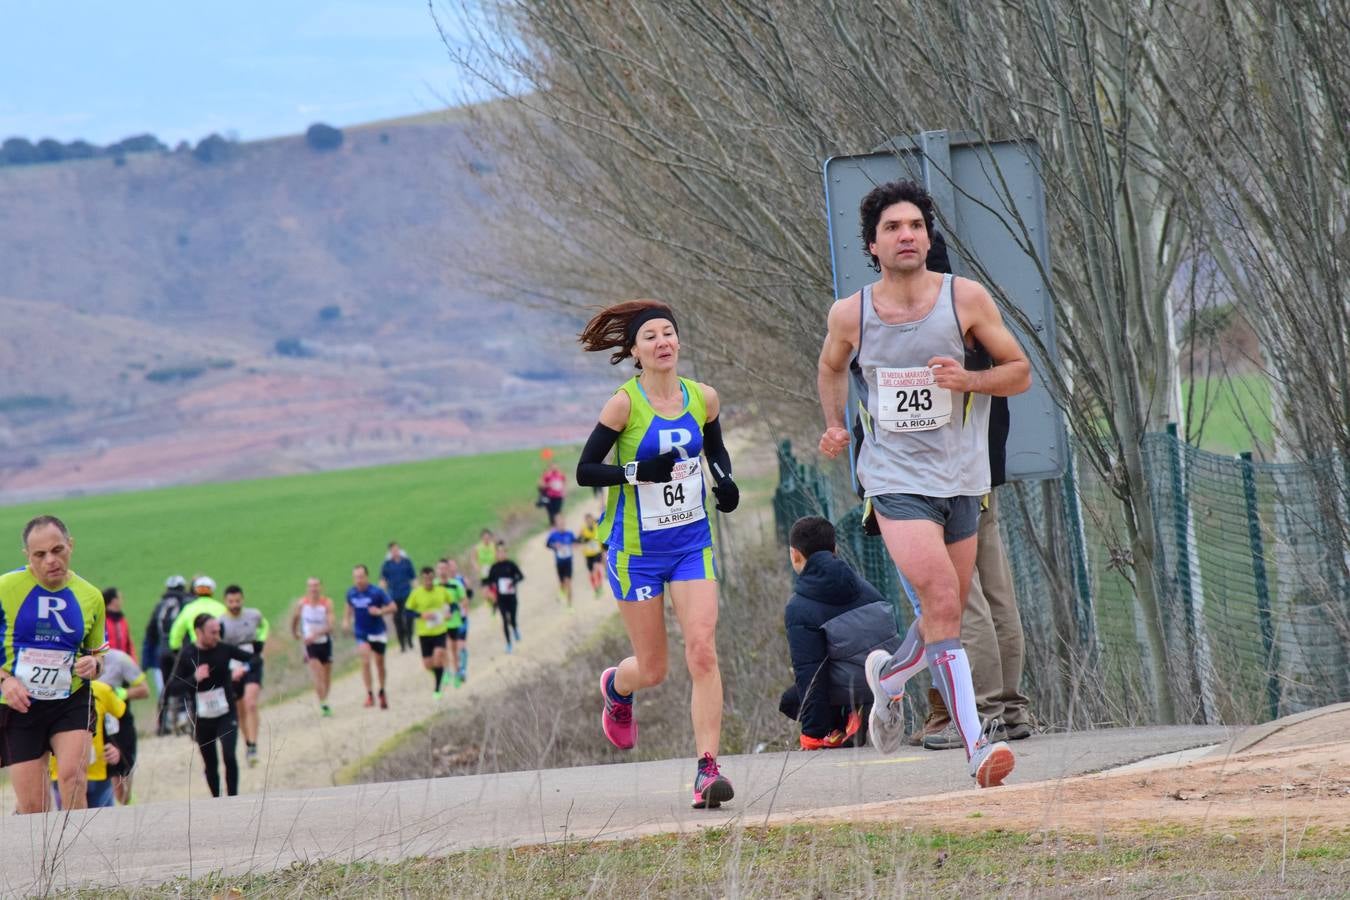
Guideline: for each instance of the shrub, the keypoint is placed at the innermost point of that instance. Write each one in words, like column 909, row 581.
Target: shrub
column 213, row 148
column 323, row 137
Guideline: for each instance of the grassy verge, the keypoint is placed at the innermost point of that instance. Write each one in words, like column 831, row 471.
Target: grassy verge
column 843, row 860
column 268, row 535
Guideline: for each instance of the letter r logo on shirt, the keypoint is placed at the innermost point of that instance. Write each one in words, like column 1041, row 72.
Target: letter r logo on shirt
column 675, row 439
column 50, row 607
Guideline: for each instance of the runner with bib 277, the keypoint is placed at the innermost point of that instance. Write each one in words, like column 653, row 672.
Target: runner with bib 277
column 657, row 523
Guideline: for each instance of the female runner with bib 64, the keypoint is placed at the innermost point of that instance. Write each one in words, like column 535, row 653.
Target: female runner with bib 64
column 656, row 525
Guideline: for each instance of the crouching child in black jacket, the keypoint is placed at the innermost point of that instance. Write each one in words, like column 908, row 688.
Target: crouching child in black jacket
column 834, row 619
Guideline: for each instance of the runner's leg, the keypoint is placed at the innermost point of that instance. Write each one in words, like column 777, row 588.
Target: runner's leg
column 364, row 650
column 229, row 736
column 31, row 780
column 71, row 749
column 695, row 604
column 206, row 742
column 249, row 712
column 645, row 622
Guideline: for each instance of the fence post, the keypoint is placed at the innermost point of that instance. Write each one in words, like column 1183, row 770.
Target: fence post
column 1084, row 617
column 1262, row 585
column 1188, row 574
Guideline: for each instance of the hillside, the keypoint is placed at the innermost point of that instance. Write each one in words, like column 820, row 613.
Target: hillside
column 281, row 310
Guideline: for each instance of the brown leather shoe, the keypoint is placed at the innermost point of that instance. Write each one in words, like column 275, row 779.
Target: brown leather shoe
column 938, row 718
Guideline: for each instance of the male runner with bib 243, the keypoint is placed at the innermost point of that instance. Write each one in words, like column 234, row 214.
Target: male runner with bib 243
column 656, row 523
column 924, row 459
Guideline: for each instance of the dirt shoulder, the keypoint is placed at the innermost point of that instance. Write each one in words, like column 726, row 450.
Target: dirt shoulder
column 1294, row 780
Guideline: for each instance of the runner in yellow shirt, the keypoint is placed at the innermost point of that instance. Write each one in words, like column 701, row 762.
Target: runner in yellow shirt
column 108, row 712
column 431, row 603
column 589, row 535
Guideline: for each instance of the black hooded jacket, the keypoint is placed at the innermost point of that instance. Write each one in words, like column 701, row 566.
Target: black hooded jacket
column 834, row 619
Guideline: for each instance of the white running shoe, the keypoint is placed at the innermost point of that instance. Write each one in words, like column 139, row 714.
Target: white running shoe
column 886, row 722
column 992, row 761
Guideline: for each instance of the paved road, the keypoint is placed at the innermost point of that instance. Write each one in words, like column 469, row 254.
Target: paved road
column 154, row 842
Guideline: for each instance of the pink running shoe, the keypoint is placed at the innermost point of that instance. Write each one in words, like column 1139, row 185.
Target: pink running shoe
column 617, row 718
column 711, row 787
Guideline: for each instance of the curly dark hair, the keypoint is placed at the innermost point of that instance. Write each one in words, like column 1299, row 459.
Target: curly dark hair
column 608, row 329
column 888, row 194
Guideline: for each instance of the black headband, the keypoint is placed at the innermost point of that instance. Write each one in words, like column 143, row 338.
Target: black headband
column 643, row 318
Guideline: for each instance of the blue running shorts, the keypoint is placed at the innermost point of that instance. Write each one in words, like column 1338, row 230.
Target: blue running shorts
column 642, row 577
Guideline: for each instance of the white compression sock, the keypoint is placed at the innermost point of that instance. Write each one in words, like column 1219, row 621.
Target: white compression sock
column 950, row 668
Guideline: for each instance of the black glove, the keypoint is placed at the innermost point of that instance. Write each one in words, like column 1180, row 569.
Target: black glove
column 727, row 494
column 657, row 469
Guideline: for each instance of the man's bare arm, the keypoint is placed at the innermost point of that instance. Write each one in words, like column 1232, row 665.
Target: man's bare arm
column 832, row 369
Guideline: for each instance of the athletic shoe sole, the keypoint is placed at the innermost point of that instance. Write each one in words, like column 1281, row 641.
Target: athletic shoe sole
column 715, row 794
column 886, row 732
column 995, row 767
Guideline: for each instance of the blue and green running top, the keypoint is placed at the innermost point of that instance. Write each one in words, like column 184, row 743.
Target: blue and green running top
column 42, row 631
column 660, row 519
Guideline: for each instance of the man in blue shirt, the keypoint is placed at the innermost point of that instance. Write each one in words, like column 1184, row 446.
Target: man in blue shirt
column 560, row 541
column 396, row 577
column 367, row 605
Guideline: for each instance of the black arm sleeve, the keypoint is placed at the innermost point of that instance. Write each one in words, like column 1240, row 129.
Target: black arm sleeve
column 716, row 450
column 592, row 470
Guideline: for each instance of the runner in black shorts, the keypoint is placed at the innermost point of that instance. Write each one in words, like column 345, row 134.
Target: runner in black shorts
column 589, row 536
column 51, row 632
column 431, row 604
column 312, row 622
column 561, row 541
column 247, row 628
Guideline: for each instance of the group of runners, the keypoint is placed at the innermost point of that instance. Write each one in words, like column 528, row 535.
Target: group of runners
column 65, row 715
column 908, row 343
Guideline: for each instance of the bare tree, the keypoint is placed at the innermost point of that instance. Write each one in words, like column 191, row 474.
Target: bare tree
column 675, row 148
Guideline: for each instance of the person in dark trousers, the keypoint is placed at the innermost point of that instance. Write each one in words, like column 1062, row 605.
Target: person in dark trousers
column 155, row 653
column 397, row 575
column 504, row 579
column 202, row 673
column 834, row 619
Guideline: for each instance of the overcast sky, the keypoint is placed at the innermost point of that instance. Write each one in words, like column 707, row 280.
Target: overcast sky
column 181, row 69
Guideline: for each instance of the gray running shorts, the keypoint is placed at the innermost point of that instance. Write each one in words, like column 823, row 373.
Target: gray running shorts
column 958, row 516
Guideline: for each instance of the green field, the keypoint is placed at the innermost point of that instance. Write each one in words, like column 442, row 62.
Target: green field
column 269, row 535
column 1228, row 414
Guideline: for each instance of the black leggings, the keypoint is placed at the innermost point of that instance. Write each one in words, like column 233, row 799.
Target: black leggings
column 507, row 607
column 226, row 730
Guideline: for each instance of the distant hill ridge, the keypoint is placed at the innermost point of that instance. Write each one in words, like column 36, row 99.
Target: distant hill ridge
column 279, row 308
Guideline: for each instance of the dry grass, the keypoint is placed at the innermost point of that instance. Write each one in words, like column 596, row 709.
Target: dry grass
column 884, row 860
column 544, row 731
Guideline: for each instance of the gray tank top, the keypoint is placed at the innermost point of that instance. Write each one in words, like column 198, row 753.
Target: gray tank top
column 243, row 630
column 918, row 439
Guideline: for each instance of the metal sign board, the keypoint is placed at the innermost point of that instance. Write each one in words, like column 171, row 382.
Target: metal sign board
column 990, row 205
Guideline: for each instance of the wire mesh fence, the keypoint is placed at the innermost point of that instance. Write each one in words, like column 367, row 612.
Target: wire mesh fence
column 1249, row 564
